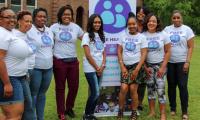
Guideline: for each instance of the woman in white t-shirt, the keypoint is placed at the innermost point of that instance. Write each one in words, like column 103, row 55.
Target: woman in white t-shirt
column 24, row 19
column 132, row 50
column 13, row 68
column 182, row 38
column 93, row 62
column 65, row 62
column 42, row 37
column 156, row 63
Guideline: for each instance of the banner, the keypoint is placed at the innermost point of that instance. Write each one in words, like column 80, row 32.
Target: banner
column 114, row 14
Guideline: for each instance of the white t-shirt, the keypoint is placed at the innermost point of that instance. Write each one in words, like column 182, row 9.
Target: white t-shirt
column 156, row 42
column 179, row 37
column 65, row 37
column 96, row 51
column 32, row 47
column 17, row 53
column 44, row 44
column 132, row 45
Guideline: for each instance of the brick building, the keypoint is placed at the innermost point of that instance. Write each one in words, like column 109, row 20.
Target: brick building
column 80, row 8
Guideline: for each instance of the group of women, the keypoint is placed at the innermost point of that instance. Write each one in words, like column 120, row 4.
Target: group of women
column 30, row 54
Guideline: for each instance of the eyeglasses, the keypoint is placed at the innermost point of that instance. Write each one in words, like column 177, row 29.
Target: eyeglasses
column 9, row 17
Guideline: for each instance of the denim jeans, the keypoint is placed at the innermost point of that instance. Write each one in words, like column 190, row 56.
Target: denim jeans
column 94, row 85
column 28, row 108
column 39, row 85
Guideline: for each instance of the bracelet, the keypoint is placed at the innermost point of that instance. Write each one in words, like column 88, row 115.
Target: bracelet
column 103, row 65
column 120, row 61
column 187, row 62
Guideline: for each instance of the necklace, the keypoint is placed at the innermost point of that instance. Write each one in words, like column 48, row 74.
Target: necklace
column 40, row 29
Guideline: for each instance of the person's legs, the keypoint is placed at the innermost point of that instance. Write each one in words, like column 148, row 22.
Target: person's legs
column 35, row 84
column 172, row 83
column 13, row 111
column 41, row 99
column 151, row 89
column 183, row 87
column 134, row 97
column 60, row 75
column 12, row 107
column 160, row 88
column 94, row 92
column 141, row 92
column 73, row 83
column 28, row 109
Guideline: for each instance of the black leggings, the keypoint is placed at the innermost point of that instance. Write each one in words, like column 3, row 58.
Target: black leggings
column 177, row 77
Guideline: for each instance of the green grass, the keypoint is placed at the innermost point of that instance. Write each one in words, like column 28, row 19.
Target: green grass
column 194, row 93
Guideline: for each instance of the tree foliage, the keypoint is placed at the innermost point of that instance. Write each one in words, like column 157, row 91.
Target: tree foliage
column 190, row 10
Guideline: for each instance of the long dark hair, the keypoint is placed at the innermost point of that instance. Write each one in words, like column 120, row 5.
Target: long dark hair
column 146, row 20
column 90, row 28
column 62, row 10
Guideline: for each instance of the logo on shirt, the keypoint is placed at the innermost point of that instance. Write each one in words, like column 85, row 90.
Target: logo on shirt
column 113, row 13
column 65, row 36
column 99, row 45
column 46, row 40
column 175, row 38
column 130, row 46
column 33, row 47
column 153, row 45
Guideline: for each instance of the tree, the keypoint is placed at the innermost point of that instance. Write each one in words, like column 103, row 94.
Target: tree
column 189, row 8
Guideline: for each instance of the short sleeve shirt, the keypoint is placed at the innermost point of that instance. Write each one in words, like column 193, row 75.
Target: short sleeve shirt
column 17, row 52
column 96, row 50
column 132, row 45
column 44, row 44
column 179, row 37
column 156, row 42
column 65, row 37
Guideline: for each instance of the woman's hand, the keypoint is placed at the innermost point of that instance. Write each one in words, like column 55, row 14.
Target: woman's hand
column 134, row 74
column 124, row 72
column 148, row 71
column 8, row 90
column 161, row 72
column 100, row 71
column 186, row 67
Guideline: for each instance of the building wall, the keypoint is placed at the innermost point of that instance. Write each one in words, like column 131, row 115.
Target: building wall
column 53, row 6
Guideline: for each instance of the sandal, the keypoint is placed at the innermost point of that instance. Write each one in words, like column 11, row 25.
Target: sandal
column 133, row 115
column 185, row 117
column 173, row 113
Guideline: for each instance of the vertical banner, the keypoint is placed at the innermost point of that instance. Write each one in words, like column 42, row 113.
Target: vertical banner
column 114, row 14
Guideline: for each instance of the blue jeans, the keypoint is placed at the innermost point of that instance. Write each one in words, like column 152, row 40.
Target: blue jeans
column 39, row 85
column 94, row 85
column 21, row 93
column 28, row 109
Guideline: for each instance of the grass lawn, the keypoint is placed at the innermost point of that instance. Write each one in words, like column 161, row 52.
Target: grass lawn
column 194, row 93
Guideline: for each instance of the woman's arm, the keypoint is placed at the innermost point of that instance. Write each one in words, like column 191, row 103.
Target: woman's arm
column 138, row 67
column 8, row 90
column 89, row 57
column 167, row 50
column 121, row 63
column 103, row 65
column 190, row 45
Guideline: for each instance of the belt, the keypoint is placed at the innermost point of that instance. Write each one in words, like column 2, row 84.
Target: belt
column 69, row 59
column 18, row 77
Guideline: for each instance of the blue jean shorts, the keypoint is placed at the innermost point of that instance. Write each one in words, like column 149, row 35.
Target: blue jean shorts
column 18, row 95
